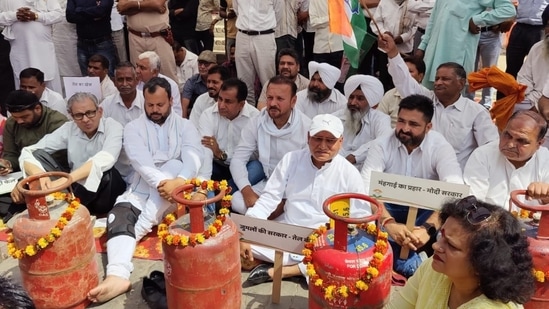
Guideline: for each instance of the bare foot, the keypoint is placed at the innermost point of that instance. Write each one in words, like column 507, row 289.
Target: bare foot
column 111, row 287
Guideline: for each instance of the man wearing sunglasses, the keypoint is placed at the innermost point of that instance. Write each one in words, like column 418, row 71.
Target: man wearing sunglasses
column 93, row 145
column 413, row 150
column 516, row 162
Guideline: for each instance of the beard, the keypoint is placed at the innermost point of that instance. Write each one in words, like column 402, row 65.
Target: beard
column 317, row 95
column 353, row 120
column 408, row 139
column 159, row 118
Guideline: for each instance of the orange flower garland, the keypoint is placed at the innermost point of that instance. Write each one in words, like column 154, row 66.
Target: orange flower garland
column 212, row 230
column 55, row 232
column 334, row 290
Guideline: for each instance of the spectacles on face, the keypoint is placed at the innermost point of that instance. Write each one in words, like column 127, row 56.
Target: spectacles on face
column 204, row 63
column 88, row 114
column 475, row 215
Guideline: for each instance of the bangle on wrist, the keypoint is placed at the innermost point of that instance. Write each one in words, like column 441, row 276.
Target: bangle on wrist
column 386, row 220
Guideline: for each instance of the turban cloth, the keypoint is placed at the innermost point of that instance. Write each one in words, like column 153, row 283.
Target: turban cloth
column 370, row 86
column 505, row 83
column 329, row 74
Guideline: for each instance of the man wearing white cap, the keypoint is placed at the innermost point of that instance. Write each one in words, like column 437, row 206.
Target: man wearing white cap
column 305, row 178
column 362, row 124
column 321, row 97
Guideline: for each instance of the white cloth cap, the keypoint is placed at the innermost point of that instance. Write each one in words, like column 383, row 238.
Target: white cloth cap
column 328, row 73
column 370, row 86
column 326, row 122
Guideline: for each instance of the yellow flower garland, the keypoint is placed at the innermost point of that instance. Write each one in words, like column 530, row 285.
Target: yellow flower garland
column 334, row 290
column 540, row 275
column 55, row 232
column 212, row 230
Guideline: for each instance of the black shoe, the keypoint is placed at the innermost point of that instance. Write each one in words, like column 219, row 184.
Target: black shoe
column 158, row 278
column 259, row 274
column 152, row 295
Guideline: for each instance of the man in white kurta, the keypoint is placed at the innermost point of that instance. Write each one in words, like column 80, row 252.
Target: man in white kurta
column 28, row 28
column 306, row 178
column 362, row 123
column 321, row 97
column 413, row 150
column 32, row 80
column 278, row 129
column 512, row 163
column 220, row 127
column 534, row 71
column 216, row 76
column 164, row 150
column 464, row 123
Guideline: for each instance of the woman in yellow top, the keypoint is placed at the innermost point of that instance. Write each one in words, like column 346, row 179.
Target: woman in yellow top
column 481, row 260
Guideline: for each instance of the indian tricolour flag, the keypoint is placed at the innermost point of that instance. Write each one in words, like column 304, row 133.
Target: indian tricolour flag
column 346, row 19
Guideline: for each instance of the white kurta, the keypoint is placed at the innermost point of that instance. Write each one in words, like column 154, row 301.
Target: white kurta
column 306, row 187
column 465, row 124
column 202, row 103
column 64, row 39
column 433, row 159
column 374, row 124
column 492, row 177
column 332, row 104
column 31, row 42
column 54, row 101
column 398, row 20
column 102, row 149
column 534, row 72
column 176, row 96
column 188, row 68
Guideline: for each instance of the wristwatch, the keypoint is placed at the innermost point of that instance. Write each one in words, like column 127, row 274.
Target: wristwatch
column 431, row 229
column 223, row 156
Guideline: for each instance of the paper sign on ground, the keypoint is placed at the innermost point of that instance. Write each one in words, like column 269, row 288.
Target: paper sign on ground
column 8, row 182
column 82, row 84
column 415, row 192
column 284, row 237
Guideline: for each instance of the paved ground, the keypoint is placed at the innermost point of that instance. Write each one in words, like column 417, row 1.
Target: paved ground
column 293, row 296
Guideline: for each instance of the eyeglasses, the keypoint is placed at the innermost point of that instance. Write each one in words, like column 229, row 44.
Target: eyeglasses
column 475, row 215
column 80, row 116
column 204, row 63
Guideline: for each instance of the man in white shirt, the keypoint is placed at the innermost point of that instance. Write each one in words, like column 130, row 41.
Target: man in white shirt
column 328, row 46
column 147, row 67
column 216, row 76
column 305, row 178
column 321, row 97
column 124, row 106
column 514, row 163
column 389, row 103
column 32, row 80
column 417, row 151
column 255, row 41
column 464, row 123
column 187, row 64
column 534, row 70
column 164, row 150
column 362, row 123
column 278, row 129
column 288, row 66
column 93, row 144
column 98, row 65
column 221, row 126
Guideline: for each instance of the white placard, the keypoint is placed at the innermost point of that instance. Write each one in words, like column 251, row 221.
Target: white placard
column 8, row 182
column 415, row 192
column 82, row 84
column 284, row 237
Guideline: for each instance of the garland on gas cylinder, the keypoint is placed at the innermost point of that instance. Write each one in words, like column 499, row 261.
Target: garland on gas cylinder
column 197, row 238
column 334, row 290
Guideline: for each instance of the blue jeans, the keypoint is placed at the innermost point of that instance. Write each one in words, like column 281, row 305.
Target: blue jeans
column 86, row 49
column 255, row 173
column 489, row 47
column 405, row 267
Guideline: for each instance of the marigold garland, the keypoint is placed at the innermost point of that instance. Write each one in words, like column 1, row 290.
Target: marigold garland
column 55, row 232
column 540, row 275
column 197, row 238
column 333, row 290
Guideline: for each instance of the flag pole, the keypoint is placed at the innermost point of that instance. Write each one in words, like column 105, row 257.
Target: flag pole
column 373, row 21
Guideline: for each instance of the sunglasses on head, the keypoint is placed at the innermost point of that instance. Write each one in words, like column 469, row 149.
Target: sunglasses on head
column 475, row 214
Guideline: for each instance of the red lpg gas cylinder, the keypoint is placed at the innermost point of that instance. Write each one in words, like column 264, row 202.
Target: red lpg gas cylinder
column 343, row 260
column 207, row 275
column 538, row 239
column 60, row 275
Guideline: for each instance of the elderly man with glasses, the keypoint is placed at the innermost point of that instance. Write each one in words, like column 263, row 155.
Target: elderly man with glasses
column 93, row 144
